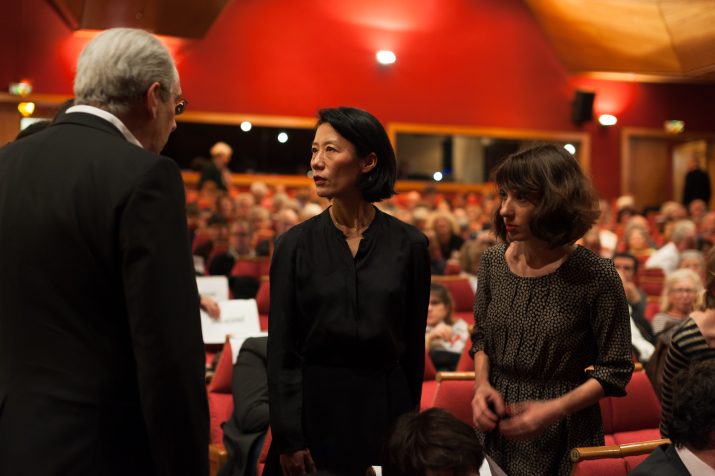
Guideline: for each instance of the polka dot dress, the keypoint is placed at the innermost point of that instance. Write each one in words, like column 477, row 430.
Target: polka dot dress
column 540, row 333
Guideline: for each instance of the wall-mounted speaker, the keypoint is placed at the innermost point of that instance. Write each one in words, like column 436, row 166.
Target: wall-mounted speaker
column 582, row 107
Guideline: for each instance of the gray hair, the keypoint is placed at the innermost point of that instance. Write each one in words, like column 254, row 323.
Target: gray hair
column 681, row 229
column 117, row 67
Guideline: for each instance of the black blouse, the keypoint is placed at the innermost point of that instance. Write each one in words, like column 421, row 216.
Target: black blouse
column 330, row 309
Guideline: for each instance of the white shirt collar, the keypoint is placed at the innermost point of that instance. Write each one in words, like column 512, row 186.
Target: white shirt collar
column 109, row 117
column 694, row 464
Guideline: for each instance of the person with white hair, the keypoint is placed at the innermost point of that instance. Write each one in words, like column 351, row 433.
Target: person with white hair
column 101, row 354
column 667, row 257
column 217, row 170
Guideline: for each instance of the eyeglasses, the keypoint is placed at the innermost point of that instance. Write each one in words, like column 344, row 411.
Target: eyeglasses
column 181, row 103
column 683, row 291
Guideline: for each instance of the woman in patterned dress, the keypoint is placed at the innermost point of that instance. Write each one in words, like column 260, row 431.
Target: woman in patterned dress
column 546, row 309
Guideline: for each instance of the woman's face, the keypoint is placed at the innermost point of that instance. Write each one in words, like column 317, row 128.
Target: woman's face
column 335, row 164
column 517, row 212
column 682, row 296
column 442, row 227
column 637, row 240
column 436, row 311
column 694, row 264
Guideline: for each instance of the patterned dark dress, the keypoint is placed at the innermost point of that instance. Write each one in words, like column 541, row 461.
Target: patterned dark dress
column 540, row 333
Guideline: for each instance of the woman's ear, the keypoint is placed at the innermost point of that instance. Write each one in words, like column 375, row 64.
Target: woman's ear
column 369, row 162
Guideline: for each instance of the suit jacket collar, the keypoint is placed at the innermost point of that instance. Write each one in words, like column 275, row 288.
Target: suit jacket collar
column 89, row 120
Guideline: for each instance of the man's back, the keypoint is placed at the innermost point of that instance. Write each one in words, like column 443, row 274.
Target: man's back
column 100, row 344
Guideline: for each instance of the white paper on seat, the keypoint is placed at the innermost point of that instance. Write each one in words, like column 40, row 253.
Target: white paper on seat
column 239, row 317
column 214, row 287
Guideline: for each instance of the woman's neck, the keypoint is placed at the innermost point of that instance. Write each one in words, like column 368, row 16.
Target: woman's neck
column 355, row 214
column 537, row 254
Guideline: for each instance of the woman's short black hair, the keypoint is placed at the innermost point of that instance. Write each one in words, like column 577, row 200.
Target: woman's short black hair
column 431, row 441
column 368, row 136
column 443, row 294
column 549, row 177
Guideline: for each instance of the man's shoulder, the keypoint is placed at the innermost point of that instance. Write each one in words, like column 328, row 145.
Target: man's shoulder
column 664, row 460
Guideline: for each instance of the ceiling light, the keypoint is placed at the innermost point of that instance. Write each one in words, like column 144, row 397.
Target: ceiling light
column 246, row 126
column 282, row 137
column 437, row 176
column 26, row 108
column 607, row 119
column 570, row 148
column 385, row 57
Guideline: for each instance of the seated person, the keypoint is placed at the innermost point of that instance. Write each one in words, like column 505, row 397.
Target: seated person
column 691, row 428
column 245, row 431
column 445, row 338
column 680, row 292
column 642, row 337
column 434, row 443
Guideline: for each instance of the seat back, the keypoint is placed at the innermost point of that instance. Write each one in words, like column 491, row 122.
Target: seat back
column 611, row 459
column 219, row 394
column 263, row 301
column 651, row 281
column 454, row 393
column 638, row 410
column 600, row 467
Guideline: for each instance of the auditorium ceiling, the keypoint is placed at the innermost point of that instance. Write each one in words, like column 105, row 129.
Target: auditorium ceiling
column 650, row 40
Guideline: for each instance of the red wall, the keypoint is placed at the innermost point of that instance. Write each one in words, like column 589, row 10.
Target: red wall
column 481, row 63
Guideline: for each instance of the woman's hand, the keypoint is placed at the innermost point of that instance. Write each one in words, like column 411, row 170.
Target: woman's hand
column 487, row 407
column 529, row 419
column 297, row 463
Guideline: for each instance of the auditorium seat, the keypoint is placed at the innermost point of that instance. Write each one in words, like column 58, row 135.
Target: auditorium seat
column 466, row 363
column 263, row 301
column 220, row 407
column 455, row 391
column 612, row 460
column 462, row 296
column 255, row 267
column 634, row 417
column 263, row 455
column 429, row 383
column 651, row 282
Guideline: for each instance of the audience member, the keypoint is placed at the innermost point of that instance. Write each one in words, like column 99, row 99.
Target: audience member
column 695, row 260
column 680, row 293
column 446, row 230
column 642, row 337
column 217, row 170
column 697, row 183
column 668, row 256
column 101, row 356
column 692, row 341
column 245, row 432
column 469, row 258
column 445, row 337
column 691, row 427
column 432, row 443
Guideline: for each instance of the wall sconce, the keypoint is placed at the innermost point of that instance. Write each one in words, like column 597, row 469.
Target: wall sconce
column 385, row 57
column 674, row 127
column 607, row 120
column 26, row 108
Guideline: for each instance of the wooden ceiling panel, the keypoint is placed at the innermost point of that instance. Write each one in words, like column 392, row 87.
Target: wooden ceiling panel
column 672, row 39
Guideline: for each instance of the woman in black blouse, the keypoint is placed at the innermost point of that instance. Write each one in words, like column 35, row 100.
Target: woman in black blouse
column 349, row 293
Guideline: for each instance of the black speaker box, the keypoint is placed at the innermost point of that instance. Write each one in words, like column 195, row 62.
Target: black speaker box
column 582, row 107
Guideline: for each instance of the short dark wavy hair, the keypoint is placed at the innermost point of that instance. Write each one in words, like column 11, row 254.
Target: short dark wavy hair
column 366, row 133
column 433, row 440
column 692, row 419
column 550, row 178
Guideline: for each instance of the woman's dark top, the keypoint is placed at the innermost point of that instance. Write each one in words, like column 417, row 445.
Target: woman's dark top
column 454, row 244
column 346, row 338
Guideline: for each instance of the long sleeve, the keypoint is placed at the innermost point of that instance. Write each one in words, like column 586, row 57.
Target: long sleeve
column 610, row 322
column 285, row 376
column 250, row 387
column 163, row 310
column 414, row 361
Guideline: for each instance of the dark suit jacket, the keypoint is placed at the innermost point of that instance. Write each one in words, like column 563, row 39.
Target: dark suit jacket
column 101, row 356
column 663, row 461
column 249, row 422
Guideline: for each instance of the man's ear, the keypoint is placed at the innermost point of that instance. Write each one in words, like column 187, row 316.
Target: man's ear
column 153, row 97
column 369, row 162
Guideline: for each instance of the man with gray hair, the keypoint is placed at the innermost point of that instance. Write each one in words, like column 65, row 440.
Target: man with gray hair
column 101, row 355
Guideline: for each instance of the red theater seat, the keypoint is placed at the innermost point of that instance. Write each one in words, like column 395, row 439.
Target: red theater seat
column 263, row 301
column 612, row 460
column 634, row 417
column 455, row 391
column 462, row 295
